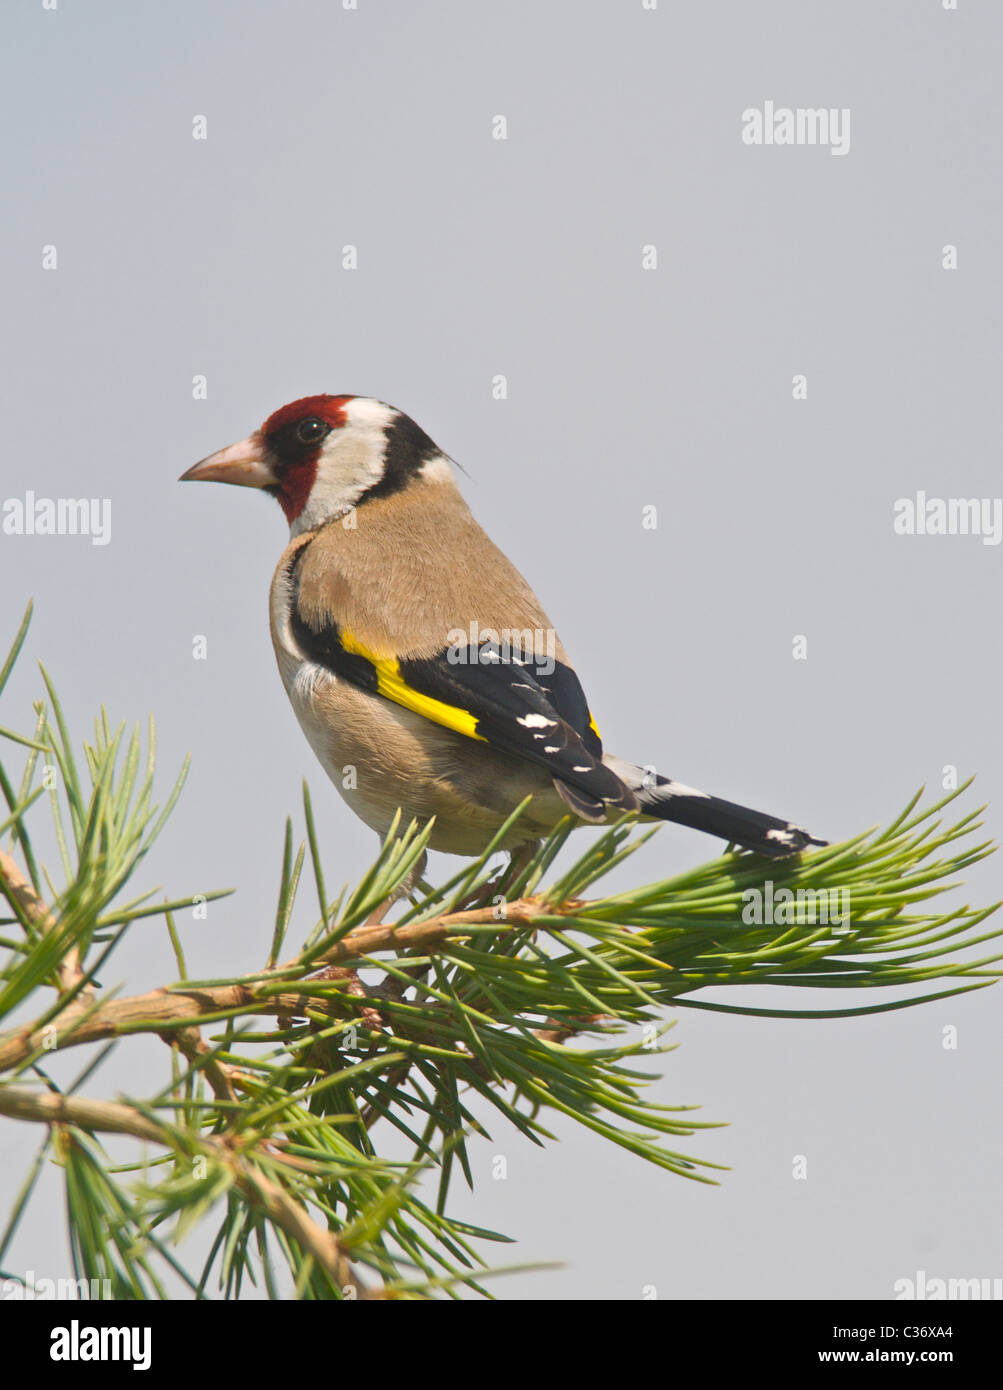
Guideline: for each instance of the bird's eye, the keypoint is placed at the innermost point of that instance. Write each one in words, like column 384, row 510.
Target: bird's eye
column 310, row 431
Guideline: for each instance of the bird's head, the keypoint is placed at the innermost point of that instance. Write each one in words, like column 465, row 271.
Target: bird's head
column 322, row 455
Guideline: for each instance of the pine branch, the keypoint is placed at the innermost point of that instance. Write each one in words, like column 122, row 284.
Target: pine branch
column 507, row 995
column 109, row 1117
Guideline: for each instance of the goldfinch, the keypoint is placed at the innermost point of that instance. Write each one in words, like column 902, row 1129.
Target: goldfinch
column 418, row 661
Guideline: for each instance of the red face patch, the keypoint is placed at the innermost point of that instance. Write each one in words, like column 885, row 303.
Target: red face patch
column 294, row 436
column 328, row 408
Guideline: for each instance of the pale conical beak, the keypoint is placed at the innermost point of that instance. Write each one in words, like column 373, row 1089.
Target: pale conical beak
column 245, row 464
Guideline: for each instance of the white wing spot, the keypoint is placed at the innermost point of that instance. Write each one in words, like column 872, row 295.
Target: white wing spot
column 536, row 721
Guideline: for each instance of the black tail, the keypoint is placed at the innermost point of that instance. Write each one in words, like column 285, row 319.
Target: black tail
column 754, row 830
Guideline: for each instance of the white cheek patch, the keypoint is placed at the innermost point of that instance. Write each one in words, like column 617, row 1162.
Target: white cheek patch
column 349, row 464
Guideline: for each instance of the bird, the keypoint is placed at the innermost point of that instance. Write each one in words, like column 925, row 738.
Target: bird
column 421, row 666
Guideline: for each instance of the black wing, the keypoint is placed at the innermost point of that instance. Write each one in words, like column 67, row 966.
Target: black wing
column 532, row 707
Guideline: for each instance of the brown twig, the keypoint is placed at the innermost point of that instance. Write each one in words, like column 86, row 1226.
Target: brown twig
column 111, row 1117
column 155, row 1011
column 22, row 896
column 354, row 987
column 220, row 1076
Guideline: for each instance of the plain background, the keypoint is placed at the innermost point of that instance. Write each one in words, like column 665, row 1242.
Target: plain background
column 626, row 388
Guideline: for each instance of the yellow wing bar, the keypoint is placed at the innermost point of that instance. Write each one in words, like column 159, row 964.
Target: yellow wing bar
column 392, row 685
